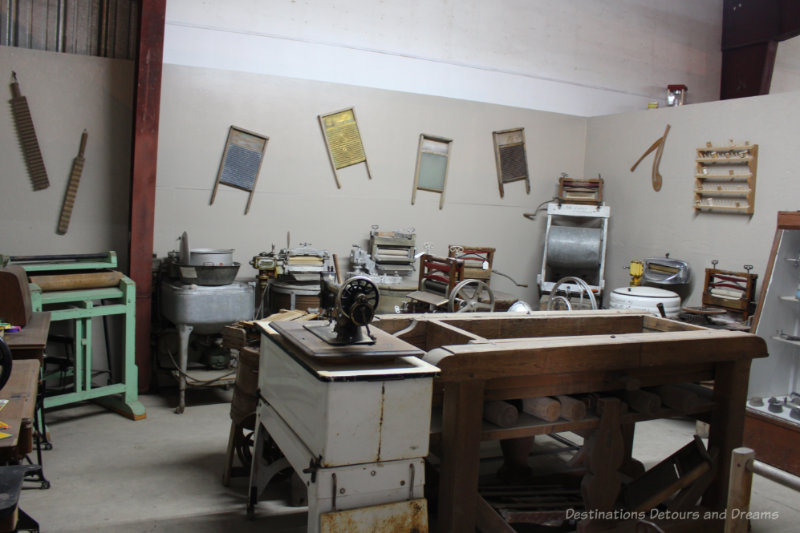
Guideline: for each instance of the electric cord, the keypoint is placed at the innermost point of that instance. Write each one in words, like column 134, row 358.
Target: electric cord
column 532, row 216
column 194, row 380
column 495, row 271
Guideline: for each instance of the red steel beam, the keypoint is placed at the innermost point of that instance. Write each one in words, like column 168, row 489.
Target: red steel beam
column 147, row 101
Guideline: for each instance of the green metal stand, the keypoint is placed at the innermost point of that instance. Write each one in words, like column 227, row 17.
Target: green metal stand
column 81, row 306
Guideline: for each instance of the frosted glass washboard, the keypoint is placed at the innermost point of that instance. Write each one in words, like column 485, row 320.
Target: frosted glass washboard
column 433, row 156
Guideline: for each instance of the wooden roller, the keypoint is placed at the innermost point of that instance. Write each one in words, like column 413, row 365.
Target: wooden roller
column 643, row 402
column 571, row 409
column 678, row 398
column 545, row 408
column 66, row 282
column 704, row 394
column 500, row 413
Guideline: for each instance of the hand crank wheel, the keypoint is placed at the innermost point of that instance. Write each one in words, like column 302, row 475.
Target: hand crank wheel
column 469, row 296
column 357, row 299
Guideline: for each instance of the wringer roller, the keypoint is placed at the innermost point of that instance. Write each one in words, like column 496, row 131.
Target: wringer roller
column 575, row 246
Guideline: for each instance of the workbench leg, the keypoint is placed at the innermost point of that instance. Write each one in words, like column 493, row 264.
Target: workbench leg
column 184, row 331
column 633, row 468
column 460, row 461
column 727, row 424
column 605, row 452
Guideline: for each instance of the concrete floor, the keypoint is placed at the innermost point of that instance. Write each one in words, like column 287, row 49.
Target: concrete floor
column 164, row 473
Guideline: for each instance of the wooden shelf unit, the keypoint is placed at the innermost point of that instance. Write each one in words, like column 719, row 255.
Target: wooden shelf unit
column 725, row 178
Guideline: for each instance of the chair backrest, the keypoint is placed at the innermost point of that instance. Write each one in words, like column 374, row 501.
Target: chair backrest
column 439, row 274
column 477, row 260
column 15, row 296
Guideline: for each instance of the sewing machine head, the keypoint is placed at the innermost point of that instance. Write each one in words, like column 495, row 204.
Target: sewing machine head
column 350, row 311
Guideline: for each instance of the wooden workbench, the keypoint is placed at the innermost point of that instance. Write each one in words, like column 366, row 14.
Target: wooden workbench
column 20, row 391
column 501, row 356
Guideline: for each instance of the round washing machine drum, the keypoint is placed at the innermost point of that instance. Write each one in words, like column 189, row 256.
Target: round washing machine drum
column 646, row 299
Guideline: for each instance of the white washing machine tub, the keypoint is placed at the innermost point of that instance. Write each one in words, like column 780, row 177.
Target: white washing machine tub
column 646, row 299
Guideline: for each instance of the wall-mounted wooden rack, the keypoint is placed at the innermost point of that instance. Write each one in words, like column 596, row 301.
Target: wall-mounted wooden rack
column 725, row 178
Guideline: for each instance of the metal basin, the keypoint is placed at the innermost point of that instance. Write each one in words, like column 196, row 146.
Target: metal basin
column 207, row 309
column 210, row 276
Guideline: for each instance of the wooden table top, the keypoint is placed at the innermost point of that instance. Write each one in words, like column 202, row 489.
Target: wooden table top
column 30, row 339
column 20, row 391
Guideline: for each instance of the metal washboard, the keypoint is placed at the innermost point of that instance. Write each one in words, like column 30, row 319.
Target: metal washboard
column 343, row 141
column 510, row 157
column 241, row 162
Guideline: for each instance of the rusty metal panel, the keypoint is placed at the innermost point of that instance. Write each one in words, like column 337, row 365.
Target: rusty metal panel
column 54, row 24
column 68, row 30
column 108, row 28
column 399, row 517
column 22, row 31
column 133, row 30
column 6, row 22
column 38, row 25
column 80, row 35
column 121, row 29
column 93, row 31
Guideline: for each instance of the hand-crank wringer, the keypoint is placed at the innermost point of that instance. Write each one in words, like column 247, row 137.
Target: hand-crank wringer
column 349, row 408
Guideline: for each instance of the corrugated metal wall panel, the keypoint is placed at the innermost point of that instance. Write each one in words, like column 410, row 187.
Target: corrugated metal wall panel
column 22, row 31
column 106, row 28
column 5, row 23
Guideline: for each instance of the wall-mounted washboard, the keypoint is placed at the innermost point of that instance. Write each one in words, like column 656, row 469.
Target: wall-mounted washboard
column 433, row 156
column 241, row 162
column 510, row 157
column 343, row 141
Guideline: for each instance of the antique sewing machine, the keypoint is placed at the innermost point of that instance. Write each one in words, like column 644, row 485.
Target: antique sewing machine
column 348, row 407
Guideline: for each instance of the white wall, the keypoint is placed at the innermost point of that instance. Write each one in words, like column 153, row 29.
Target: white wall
column 645, row 223
column 786, row 74
column 569, row 56
column 296, row 191
column 67, row 93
